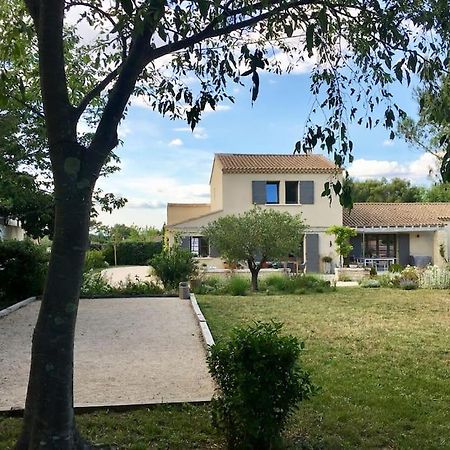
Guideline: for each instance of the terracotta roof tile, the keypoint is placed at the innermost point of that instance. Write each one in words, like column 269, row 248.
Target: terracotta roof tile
column 248, row 163
column 397, row 214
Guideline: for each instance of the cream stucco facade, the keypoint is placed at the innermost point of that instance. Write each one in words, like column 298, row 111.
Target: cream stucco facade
column 231, row 193
column 11, row 230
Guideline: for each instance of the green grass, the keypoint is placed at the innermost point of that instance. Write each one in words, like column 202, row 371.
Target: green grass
column 381, row 357
column 161, row 427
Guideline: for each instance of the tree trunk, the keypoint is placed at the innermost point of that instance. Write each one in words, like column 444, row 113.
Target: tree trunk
column 49, row 417
column 254, row 273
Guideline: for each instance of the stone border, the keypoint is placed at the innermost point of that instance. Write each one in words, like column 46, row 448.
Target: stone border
column 206, row 333
column 16, row 306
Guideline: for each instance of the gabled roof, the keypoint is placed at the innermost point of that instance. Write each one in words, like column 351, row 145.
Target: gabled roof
column 397, row 215
column 248, row 163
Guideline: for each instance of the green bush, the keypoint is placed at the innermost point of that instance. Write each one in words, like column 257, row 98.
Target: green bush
column 390, row 280
column 95, row 259
column 95, row 285
column 132, row 253
column 237, row 285
column 208, row 285
column 408, row 285
column 23, row 267
column 370, row 283
column 260, row 384
column 174, row 265
column 278, row 283
column 395, row 268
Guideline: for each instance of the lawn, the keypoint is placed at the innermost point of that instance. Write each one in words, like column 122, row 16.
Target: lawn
column 381, row 357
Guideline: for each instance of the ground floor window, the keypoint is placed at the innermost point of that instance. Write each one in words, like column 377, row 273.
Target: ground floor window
column 199, row 246
column 380, row 246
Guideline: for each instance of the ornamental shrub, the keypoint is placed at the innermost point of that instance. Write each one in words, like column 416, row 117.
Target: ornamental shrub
column 260, row 383
column 95, row 259
column 370, row 283
column 23, row 267
column 434, row 277
column 174, row 265
column 237, row 285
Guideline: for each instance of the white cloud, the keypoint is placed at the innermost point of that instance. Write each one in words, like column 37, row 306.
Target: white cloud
column 176, row 142
column 388, row 143
column 198, row 133
column 417, row 170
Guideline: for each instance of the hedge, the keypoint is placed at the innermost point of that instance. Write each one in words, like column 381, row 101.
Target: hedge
column 132, row 253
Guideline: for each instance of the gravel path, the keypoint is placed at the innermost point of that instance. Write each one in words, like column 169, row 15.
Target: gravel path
column 127, row 351
column 117, row 274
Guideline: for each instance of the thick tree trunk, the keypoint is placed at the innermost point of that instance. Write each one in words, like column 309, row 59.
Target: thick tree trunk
column 254, row 273
column 49, row 417
column 254, row 270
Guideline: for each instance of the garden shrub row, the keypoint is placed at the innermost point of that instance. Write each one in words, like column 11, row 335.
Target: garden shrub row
column 271, row 285
column 132, row 253
column 23, row 268
column 95, row 285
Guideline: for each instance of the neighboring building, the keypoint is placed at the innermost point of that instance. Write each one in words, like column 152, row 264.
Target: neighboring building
column 11, row 229
column 406, row 233
column 292, row 183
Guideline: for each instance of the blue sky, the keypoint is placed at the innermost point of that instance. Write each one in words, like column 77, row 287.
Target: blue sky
column 163, row 161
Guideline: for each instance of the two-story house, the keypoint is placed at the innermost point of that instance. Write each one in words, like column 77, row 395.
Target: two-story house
column 292, row 183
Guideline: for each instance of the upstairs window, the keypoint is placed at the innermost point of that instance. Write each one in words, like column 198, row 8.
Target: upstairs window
column 272, row 192
column 291, row 188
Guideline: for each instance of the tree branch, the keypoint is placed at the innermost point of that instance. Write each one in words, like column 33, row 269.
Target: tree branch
column 209, row 32
column 49, row 17
column 106, row 16
column 95, row 92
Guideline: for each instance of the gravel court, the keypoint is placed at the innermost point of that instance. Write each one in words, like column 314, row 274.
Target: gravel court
column 127, row 351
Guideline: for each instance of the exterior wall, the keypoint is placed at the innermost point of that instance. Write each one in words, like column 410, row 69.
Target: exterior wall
column 421, row 243
column 11, row 231
column 216, row 186
column 237, row 197
column 441, row 237
column 178, row 212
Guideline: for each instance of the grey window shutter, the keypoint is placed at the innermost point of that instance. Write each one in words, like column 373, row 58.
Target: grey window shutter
column 312, row 252
column 213, row 252
column 356, row 242
column 259, row 192
column 186, row 242
column 307, row 192
column 403, row 249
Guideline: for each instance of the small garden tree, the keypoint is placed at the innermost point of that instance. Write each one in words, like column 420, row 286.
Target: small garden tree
column 342, row 237
column 173, row 265
column 256, row 236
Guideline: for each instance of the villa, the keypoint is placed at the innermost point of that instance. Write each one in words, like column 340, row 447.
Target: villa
column 404, row 233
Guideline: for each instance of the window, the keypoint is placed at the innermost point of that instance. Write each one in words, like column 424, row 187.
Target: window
column 291, row 188
column 272, row 192
column 199, row 246
column 380, row 246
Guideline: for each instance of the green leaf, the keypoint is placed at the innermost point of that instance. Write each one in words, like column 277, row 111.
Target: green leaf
column 127, row 6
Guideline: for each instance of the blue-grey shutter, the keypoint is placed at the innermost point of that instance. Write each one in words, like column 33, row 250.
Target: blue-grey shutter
column 356, row 242
column 307, row 192
column 259, row 192
column 312, row 252
column 213, row 252
column 403, row 249
column 186, row 242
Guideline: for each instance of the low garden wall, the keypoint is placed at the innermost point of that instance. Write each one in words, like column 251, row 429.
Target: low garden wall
column 351, row 274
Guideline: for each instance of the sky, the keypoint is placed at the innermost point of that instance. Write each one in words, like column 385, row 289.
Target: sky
column 163, row 161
